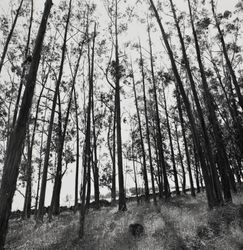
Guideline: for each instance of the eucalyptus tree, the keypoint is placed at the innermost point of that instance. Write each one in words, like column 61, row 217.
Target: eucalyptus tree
column 14, row 150
column 87, row 157
column 162, row 162
column 183, row 129
column 117, row 71
column 222, row 158
column 54, row 102
column 145, row 175
column 226, row 56
column 212, row 190
column 141, row 67
column 165, row 80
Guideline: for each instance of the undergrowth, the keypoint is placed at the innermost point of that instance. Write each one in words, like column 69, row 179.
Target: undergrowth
column 181, row 223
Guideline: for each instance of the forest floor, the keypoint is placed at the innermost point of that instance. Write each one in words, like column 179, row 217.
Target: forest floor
column 181, row 223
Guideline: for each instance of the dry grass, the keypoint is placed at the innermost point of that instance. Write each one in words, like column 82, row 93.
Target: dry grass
column 182, row 223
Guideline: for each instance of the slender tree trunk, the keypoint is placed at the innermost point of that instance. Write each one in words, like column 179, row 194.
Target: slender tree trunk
column 135, row 172
column 77, row 153
column 113, row 187
column 27, row 202
column 24, row 68
column 16, row 142
column 181, row 160
column 208, row 147
column 147, row 124
column 171, row 145
column 145, row 176
column 122, row 198
column 95, row 168
column 223, row 163
column 159, row 134
column 183, row 129
column 5, row 49
column 213, row 199
column 49, row 136
column 87, row 158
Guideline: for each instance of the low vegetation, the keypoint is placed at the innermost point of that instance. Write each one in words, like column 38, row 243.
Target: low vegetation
column 181, row 223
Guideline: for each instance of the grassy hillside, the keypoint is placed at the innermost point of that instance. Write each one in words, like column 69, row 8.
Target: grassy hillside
column 181, row 223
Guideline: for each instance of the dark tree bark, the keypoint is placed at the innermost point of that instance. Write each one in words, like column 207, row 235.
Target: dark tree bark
column 223, row 163
column 31, row 141
column 181, row 160
column 95, row 163
column 183, row 129
column 50, row 128
column 134, row 169
column 77, row 152
column 207, row 142
column 55, row 203
column 16, row 142
column 211, row 196
column 113, row 186
column 147, row 123
column 122, row 198
column 24, row 68
column 145, row 175
column 157, row 120
column 171, row 145
column 87, row 158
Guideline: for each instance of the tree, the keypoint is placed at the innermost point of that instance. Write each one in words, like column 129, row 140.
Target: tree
column 145, row 176
column 214, row 198
column 16, row 142
column 5, row 49
column 48, row 143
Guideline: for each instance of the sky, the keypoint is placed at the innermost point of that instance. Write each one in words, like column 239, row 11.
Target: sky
column 134, row 32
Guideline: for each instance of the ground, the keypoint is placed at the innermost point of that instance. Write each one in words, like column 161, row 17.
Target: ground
column 182, row 223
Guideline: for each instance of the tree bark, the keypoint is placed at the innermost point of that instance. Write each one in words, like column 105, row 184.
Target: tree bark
column 211, row 196
column 145, row 175
column 147, row 124
column 14, row 150
column 157, row 120
column 49, row 136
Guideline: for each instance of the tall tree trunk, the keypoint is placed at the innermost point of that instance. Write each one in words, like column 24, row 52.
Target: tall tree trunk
column 87, row 158
column 50, row 128
column 55, row 203
column 145, row 176
column 16, row 142
column 95, row 163
column 24, row 68
column 181, row 160
column 77, row 152
column 147, row 123
column 171, row 145
column 223, row 163
column 5, row 49
column 158, row 129
column 134, row 171
column 183, row 129
column 27, row 202
column 213, row 199
column 113, row 184
column 122, row 199
column 208, row 147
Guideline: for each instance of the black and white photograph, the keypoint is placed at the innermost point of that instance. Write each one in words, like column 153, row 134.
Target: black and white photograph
column 121, row 124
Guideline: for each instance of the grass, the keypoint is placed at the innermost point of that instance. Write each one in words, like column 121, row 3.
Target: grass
column 181, row 223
